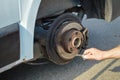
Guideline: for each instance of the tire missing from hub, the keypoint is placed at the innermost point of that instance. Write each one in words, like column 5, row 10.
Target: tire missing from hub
column 64, row 38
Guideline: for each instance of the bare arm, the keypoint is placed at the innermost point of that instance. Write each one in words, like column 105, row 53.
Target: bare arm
column 113, row 53
column 96, row 54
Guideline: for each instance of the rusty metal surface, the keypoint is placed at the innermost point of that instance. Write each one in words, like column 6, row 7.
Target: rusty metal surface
column 71, row 40
column 63, row 40
column 54, row 52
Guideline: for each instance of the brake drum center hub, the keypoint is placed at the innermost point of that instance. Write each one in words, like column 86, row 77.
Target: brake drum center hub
column 71, row 40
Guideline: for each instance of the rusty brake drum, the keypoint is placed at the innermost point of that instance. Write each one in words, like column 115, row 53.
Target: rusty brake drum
column 66, row 37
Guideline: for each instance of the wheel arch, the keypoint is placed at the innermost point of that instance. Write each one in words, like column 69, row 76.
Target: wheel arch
column 29, row 9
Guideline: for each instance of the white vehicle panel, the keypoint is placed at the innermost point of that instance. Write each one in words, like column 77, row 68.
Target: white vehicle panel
column 9, row 12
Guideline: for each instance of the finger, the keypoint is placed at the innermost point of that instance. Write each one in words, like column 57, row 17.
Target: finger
column 86, row 52
column 88, row 56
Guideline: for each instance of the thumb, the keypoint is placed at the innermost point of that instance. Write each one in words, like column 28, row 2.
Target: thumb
column 85, row 57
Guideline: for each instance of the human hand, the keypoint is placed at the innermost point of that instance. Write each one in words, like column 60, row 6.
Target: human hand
column 93, row 54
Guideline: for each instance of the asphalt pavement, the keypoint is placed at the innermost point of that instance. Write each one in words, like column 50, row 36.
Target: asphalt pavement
column 102, row 34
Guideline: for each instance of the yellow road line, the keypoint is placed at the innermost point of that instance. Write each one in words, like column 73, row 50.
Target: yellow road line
column 95, row 70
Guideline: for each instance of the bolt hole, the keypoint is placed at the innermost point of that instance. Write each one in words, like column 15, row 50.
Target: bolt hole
column 76, row 33
column 71, row 49
column 70, row 39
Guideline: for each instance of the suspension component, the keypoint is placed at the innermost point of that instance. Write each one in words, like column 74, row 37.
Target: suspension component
column 65, row 38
